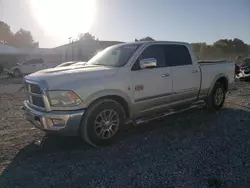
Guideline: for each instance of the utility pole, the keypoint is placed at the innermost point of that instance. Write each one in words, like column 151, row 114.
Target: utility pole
column 72, row 51
column 70, row 39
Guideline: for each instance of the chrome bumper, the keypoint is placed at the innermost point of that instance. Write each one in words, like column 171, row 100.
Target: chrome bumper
column 63, row 122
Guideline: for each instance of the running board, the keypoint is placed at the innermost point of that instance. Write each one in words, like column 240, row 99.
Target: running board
column 148, row 119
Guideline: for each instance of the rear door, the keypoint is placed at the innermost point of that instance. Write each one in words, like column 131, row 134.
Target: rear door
column 186, row 75
column 151, row 87
column 39, row 64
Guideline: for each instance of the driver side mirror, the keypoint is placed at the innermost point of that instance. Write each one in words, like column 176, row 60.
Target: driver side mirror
column 148, row 63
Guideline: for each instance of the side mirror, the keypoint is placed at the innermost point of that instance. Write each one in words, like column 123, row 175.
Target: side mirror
column 148, row 63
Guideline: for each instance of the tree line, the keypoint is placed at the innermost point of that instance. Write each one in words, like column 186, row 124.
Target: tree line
column 20, row 39
column 221, row 49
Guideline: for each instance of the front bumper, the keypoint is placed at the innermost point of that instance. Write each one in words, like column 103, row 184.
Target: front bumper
column 62, row 122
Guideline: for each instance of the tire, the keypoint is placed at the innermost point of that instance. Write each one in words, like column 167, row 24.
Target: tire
column 17, row 73
column 213, row 103
column 97, row 130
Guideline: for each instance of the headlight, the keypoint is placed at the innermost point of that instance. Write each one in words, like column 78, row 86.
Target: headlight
column 63, row 98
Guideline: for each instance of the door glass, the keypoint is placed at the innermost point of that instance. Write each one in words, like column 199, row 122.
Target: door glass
column 29, row 62
column 153, row 51
column 177, row 55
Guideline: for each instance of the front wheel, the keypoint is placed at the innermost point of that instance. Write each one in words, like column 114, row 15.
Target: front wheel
column 216, row 99
column 103, row 122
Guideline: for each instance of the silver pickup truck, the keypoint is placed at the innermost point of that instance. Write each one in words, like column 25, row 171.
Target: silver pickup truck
column 129, row 82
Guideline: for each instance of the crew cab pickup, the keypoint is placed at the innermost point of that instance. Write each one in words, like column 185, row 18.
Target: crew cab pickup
column 129, row 82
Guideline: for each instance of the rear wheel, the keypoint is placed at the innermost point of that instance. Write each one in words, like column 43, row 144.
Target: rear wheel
column 103, row 122
column 217, row 97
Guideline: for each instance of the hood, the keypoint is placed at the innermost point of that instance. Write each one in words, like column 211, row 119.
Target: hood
column 67, row 77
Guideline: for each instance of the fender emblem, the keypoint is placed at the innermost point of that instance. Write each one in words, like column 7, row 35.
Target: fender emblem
column 138, row 87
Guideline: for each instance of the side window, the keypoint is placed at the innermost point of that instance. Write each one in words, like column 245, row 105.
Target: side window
column 153, row 51
column 33, row 62
column 38, row 61
column 177, row 55
column 29, row 62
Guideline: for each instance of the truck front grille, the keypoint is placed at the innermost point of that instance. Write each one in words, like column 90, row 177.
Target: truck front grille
column 38, row 101
column 35, row 94
column 35, row 89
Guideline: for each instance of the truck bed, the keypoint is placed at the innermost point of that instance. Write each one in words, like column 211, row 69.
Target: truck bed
column 212, row 62
column 211, row 68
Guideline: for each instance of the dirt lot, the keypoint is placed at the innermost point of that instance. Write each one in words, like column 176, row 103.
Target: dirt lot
column 192, row 149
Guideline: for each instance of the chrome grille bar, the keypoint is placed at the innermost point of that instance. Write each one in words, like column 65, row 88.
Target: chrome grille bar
column 35, row 95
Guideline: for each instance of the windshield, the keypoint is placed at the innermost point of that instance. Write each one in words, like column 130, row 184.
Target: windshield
column 115, row 56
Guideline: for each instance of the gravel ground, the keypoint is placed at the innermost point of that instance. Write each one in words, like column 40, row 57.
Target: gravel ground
column 191, row 149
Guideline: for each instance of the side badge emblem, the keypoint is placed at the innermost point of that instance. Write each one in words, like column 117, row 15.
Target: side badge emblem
column 138, row 87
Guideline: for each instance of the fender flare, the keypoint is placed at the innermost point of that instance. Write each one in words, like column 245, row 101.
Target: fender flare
column 106, row 93
column 216, row 78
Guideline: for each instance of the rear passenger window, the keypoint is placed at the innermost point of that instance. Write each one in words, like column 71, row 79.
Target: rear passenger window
column 177, row 55
column 29, row 62
column 33, row 61
column 37, row 61
column 153, row 51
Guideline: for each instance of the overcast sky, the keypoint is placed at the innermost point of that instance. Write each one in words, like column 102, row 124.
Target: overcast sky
column 125, row 20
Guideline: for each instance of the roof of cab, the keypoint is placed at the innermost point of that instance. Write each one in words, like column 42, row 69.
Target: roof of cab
column 155, row 42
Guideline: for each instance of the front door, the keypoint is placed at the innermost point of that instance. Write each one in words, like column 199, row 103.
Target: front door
column 151, row 87
column 39, row 64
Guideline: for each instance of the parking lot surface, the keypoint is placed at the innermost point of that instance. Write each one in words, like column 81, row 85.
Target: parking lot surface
column 191, row 149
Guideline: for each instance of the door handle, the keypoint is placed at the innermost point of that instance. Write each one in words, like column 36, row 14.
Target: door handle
column 194, row 71
column 165, row 75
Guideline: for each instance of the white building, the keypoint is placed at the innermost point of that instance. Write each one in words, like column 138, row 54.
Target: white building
column 81, row 50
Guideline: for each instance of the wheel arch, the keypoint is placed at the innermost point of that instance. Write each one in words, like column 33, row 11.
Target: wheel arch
column 121, row 97
column 220, row 78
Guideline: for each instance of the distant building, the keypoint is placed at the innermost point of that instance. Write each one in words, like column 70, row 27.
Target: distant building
column 9, row 55
column 77, row 51
column 82, row 50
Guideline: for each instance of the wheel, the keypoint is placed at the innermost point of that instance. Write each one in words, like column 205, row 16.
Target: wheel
column 17, row 73
column 103, row 123
column 217, row 97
